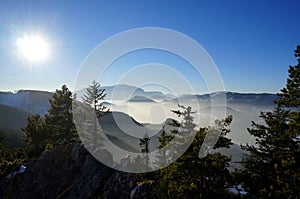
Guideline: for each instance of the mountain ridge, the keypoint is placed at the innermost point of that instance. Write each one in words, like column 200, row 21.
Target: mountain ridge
column 32, row 101
column 37, row 101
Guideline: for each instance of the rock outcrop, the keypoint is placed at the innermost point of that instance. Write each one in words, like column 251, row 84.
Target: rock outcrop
column 72, row 172
column 65, row 172
column 119, row 185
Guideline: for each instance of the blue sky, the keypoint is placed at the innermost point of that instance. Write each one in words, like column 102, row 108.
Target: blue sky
column 251, row 42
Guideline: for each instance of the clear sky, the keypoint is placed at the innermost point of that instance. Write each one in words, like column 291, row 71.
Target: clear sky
column 251, row 42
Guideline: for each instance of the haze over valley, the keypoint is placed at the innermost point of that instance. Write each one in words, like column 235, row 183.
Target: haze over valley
column 153, row 108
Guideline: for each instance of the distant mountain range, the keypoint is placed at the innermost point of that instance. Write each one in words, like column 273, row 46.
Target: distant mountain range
column 125, row 92
column 34, row 101
column 260, row 99
column 138, row 98
column 144, row 105
column 132, row 93
column 31, row 101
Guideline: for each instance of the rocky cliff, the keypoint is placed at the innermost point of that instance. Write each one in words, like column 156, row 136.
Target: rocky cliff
column 71, row 172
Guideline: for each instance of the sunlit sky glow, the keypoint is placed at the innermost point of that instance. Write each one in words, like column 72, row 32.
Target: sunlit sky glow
column 251, row 42
column 33, row 47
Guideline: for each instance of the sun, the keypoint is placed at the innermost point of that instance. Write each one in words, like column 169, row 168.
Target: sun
column 33, row 47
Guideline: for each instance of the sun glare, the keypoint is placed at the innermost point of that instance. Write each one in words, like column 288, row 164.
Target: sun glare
column 33, row 47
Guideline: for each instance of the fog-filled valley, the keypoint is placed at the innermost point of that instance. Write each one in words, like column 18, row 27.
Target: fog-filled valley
column 152, row 109
column 135, row 112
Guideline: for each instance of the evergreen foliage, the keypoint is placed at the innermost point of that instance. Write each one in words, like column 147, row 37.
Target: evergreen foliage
column 144, row 144
column 165, row 152
column 35, row 136
column 94, row 96
column 59, row 119
column 272, row 169
column 56, row 128
column 192, row 177
column 10, row 158
column 11, row 122
column 93, row 103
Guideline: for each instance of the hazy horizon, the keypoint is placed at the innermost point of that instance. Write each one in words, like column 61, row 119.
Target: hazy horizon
column 146, row 90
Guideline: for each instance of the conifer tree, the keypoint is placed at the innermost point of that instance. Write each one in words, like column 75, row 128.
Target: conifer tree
column 56, row 128
column 141, row 162
column 94, row 96
column 35, row 136
column 59, row 119
column 290, row 95
column 272, row 169
column 192, row 177
column 93, row 99
column 165, row 154
column 187, row 119
column 144, row 144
